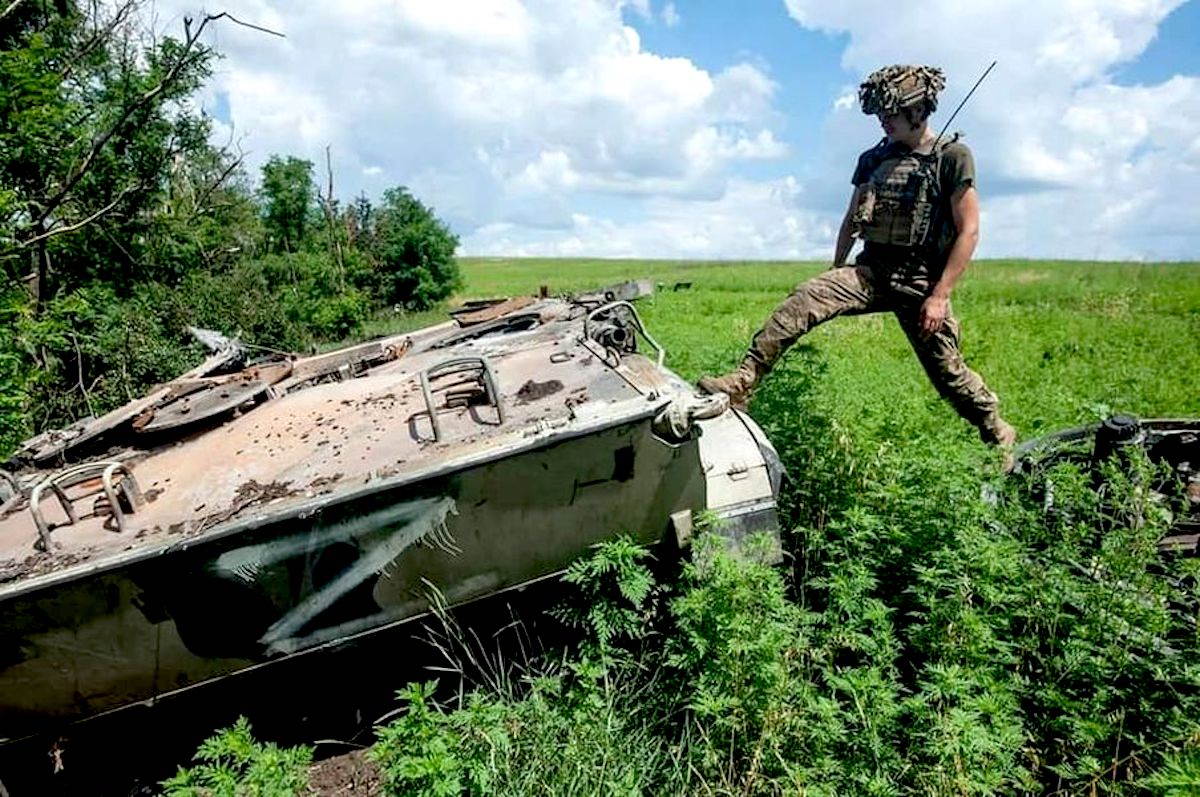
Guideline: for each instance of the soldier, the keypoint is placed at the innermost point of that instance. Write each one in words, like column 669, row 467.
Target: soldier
column 916, row 210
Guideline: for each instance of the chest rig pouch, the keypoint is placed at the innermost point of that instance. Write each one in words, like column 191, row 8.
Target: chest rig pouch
column 899, row 201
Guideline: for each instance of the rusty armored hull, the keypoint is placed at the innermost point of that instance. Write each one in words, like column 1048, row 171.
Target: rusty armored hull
column 253, row 511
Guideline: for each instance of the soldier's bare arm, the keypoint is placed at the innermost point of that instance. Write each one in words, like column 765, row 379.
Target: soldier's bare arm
column 845, row 236
column 964, row 206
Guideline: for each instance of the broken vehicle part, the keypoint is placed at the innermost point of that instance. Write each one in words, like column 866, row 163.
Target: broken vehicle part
column 1171, row 444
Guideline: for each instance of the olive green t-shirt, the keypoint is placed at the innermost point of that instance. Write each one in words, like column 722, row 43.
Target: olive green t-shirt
column 919, row 267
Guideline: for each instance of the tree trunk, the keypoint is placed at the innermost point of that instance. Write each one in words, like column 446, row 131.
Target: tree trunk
column 40, row 285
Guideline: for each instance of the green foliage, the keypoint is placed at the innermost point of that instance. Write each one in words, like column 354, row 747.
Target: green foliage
column 733, row 650
column 558, row 738
column 208, row 224
column 92, row 125
column 1104, row 622
column 87, row 352
column 304, row 287
column 413, row 252
column 423, row 752
column 923, row 640
column 233, row 764
column 614, row 595
column 288, row 202
column 1178, row 775
column 120, row 223
column 16, row 373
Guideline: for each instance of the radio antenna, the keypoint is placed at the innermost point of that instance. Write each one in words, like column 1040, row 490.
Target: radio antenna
column 946, row 126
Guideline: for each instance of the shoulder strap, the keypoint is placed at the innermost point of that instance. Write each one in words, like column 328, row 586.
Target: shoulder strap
column 874, row 156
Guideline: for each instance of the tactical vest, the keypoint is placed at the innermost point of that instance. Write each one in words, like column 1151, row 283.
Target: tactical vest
column 900, row 200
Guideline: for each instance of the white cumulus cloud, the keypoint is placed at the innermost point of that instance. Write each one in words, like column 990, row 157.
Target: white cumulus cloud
column 750, row 219
column 547, row 126
column 494, row 112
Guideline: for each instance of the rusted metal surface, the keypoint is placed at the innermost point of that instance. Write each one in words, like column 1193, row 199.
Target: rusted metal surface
column 375, row 425
column 490, row 312
column 46, row 448
column 329, row 496
column 623, row 292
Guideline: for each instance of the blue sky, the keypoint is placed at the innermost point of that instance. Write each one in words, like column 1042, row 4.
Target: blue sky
column 805, row 63
column 647, row 128
column 1174, row 51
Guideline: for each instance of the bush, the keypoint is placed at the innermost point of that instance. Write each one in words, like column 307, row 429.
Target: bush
column 89, row 351
column 233, row 764
column 582, row 728
column 312, row 294
column 713, row 709
column 413, row 252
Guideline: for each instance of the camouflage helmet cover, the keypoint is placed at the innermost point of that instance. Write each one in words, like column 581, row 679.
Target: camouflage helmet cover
column 899, row 86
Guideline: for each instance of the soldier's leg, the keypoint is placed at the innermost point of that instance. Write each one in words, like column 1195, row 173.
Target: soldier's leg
column 965, row 389
column 840, row 291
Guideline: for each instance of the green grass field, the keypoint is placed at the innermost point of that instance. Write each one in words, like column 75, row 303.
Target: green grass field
column 1060, row 342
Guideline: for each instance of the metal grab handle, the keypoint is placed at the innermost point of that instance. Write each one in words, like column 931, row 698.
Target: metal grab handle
column 454, row 366
column 81, row 473
column 14, row 486
column 637, row 322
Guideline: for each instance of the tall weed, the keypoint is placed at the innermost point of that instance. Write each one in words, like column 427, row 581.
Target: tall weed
column 233, row 764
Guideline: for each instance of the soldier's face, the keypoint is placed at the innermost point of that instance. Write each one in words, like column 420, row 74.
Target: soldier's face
column 897, row 126
column 888, row 122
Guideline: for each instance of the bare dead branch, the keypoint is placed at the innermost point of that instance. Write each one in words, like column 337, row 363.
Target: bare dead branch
column 126, row 191
column 208, row 191
column 99, row 36
column 112, row 239
column 99, row 143
column 252, row 26
column 9, row 9
column 79, row 371
column 186, row 58
column 327, row 207
column 329, row 171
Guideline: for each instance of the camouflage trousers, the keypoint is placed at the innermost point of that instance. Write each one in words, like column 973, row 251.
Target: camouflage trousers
column 856, row 290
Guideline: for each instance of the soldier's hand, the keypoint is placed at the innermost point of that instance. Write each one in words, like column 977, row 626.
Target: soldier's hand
column 933, row 313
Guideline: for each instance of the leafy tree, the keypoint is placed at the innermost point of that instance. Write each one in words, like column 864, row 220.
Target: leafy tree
column 288, row 195
column 121, row 223
column 108, row 183
column 413, row 250
column 92, row 128
column 208, row 219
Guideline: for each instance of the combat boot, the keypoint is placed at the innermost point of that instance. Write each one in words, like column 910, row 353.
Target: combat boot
column 738, row 384
column 1000, row 433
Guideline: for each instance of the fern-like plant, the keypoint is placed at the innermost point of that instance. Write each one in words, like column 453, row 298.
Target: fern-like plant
column 232, row 763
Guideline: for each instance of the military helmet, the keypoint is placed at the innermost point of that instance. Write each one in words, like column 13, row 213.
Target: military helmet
column 893, row 88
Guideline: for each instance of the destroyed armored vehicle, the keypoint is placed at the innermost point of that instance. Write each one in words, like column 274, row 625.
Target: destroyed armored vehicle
column 1172, row 445
column 259, row 509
